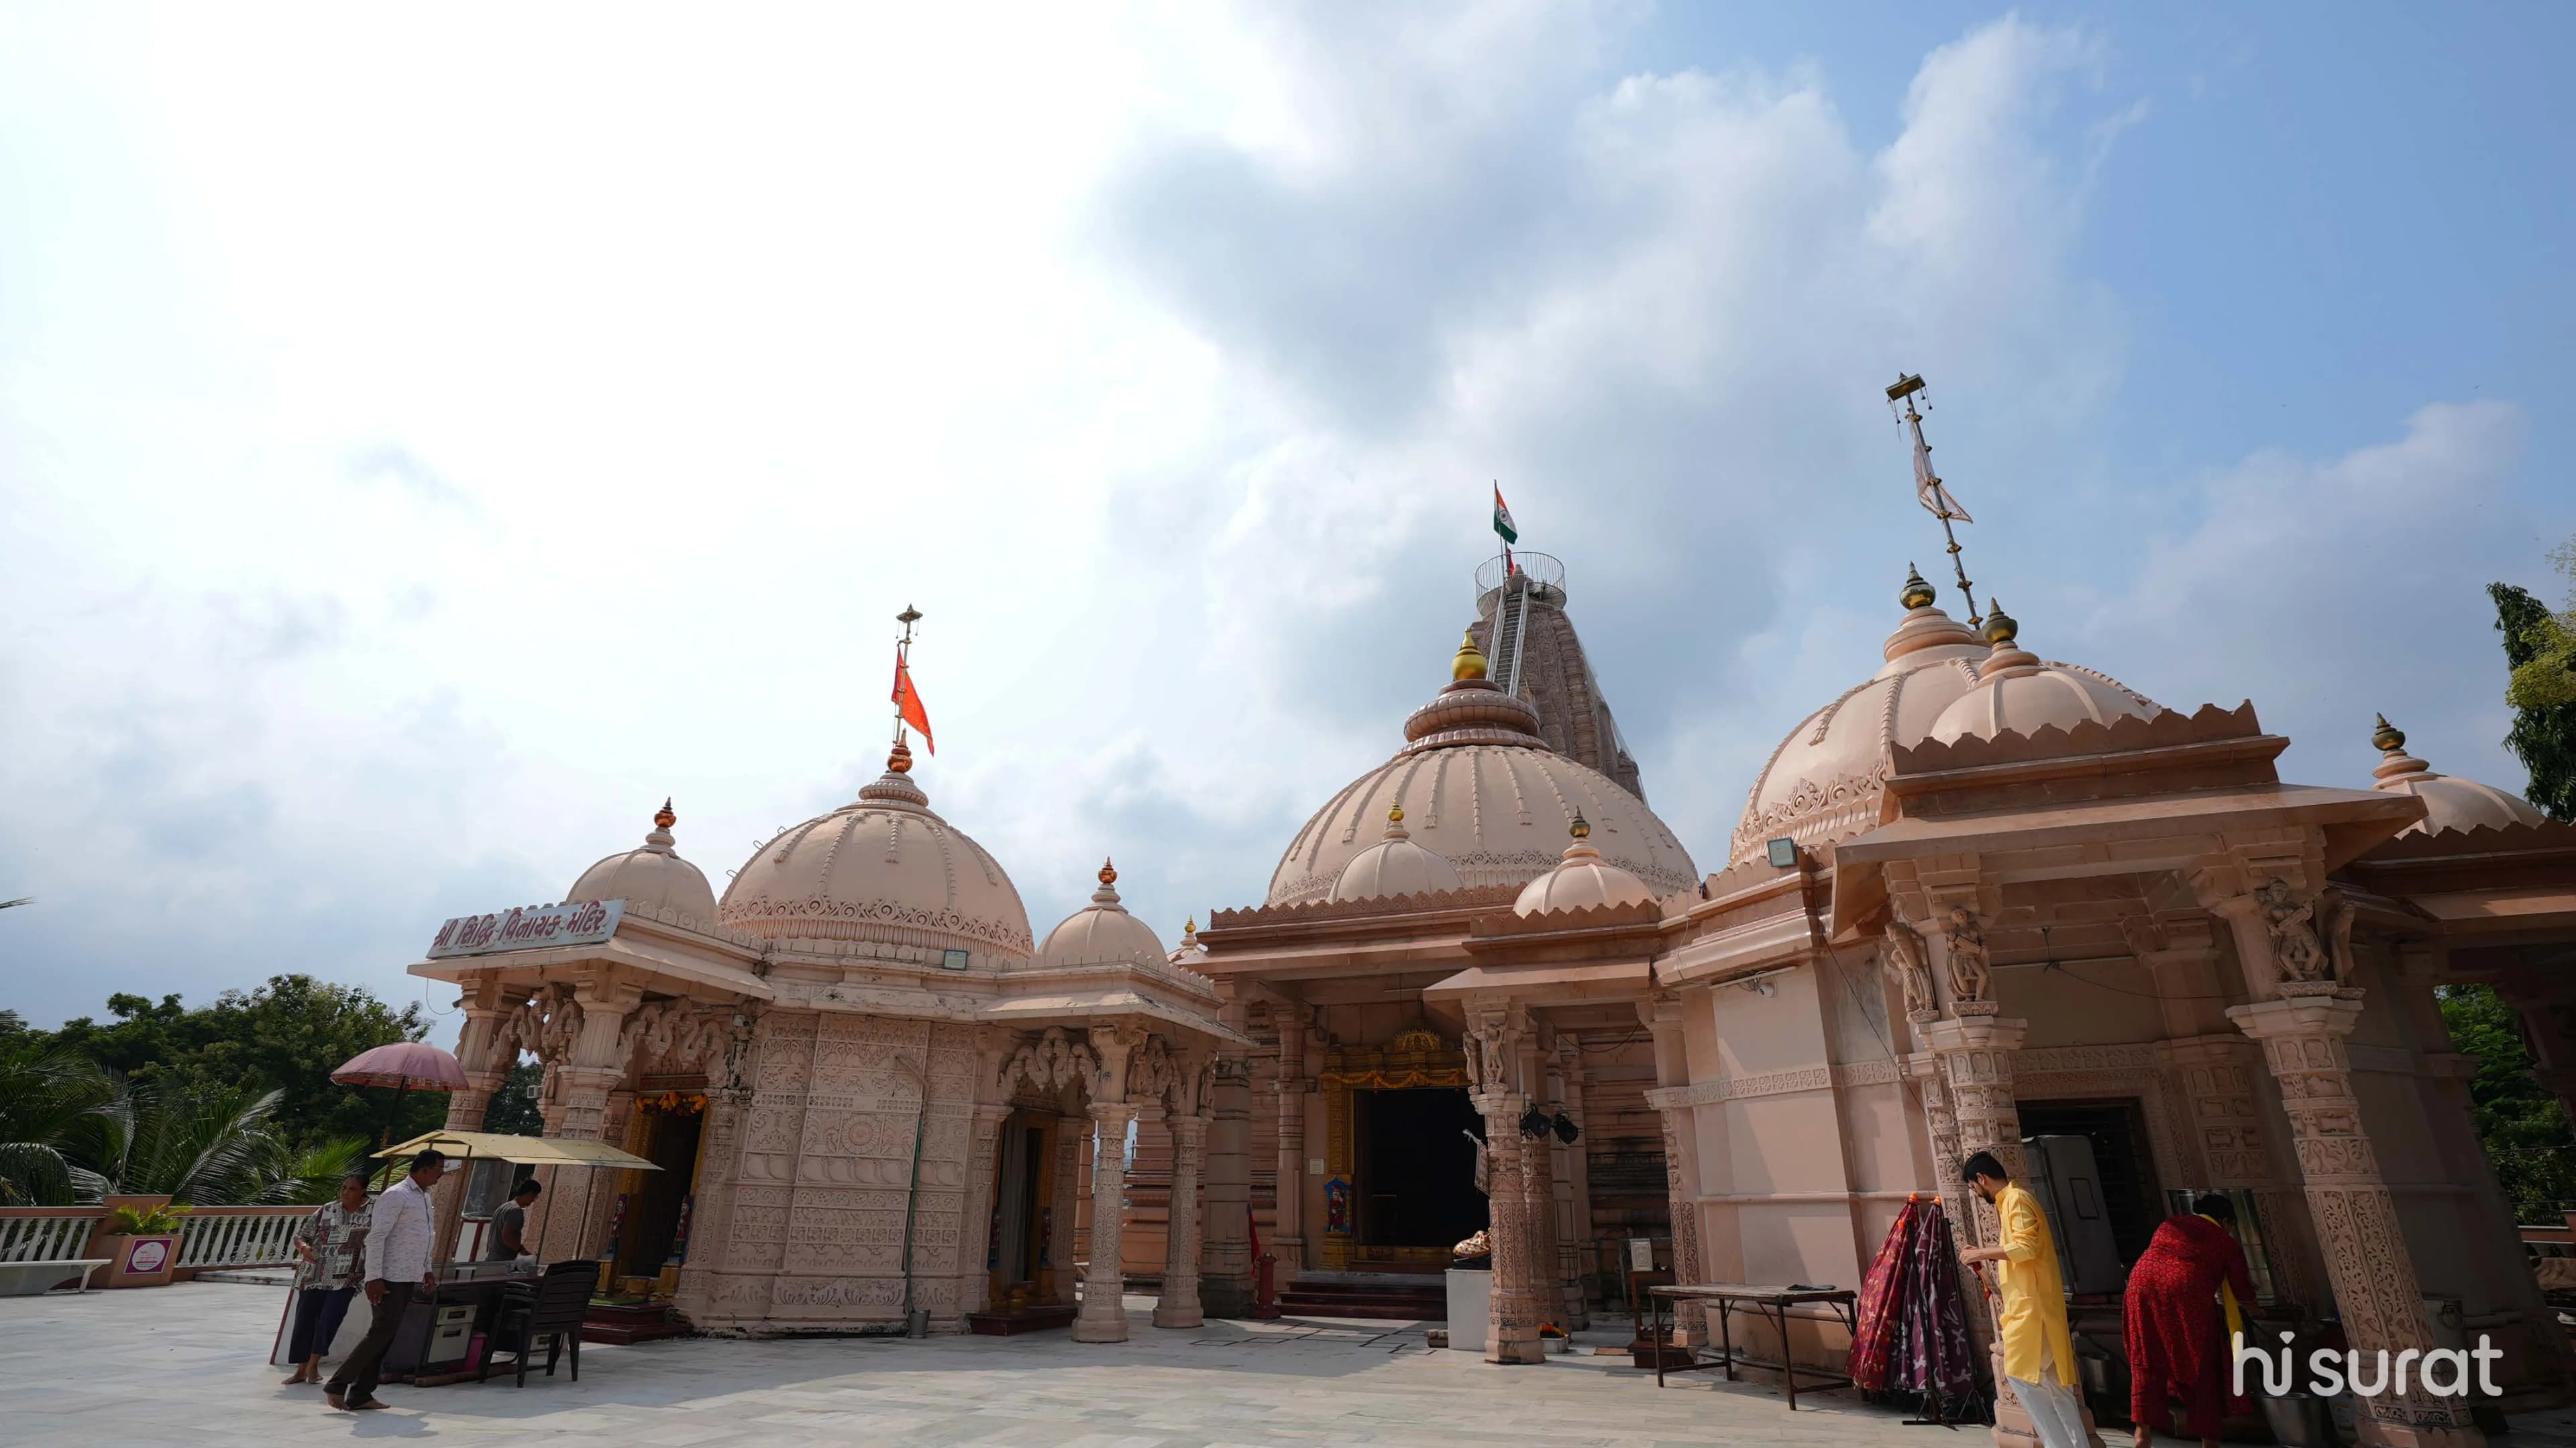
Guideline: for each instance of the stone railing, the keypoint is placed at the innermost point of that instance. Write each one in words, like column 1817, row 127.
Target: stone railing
column 219, row 1237
column 45, row 1234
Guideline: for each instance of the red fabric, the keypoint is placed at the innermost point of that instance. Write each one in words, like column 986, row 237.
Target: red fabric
column 1881, row 1298
column 908, row 702
column 2176, row 1332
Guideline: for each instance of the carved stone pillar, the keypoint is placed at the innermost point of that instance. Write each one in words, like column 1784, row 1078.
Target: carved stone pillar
column 1055, row 1228
column 711, row 1215
column 1663, row 1016
column 1104, row 1310
column 1179, row 1305
column 1974, row 1050
column 1538, row 1191
column 1493, row 1036
column 1291, row 1087
column 594, row 1069
column 1225, row 1282
column 2356, row 1220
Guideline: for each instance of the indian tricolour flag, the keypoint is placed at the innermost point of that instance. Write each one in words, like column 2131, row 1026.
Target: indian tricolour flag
column 1503, row 517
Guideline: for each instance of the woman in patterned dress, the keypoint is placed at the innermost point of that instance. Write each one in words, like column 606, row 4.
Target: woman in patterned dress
column 329, row 1248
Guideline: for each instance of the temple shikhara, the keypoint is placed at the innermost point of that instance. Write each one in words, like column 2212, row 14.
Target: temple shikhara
column 1982, row 898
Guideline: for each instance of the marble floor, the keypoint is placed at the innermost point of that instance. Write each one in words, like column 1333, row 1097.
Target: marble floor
column 183, row 1365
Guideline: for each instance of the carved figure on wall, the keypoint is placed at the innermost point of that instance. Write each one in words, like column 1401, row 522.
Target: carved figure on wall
column 1969, row 971
column 1049, row 1063
column 1903, row 958
column 2291, row 921
column 550, row 1023
column 1487, row 1042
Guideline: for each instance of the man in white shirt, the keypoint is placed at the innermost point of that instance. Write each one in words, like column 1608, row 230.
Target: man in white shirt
column 398, row 1252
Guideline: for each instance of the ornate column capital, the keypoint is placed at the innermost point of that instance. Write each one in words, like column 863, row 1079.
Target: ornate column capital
column 2314, row 1009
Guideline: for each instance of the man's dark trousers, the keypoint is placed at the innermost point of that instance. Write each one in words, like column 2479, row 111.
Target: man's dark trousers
column 356, row 1379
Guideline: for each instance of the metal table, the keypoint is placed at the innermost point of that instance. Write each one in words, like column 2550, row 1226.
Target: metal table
column 1772, row 1304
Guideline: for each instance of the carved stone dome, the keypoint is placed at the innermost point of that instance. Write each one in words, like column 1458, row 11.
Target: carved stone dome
column 1483, row 792
column 651, row 874
column 882, row 868
column 1102, row 932
column 2019, row 693
column 2450, row 802
column 1395, row 865
column 1582, row 880
column 1823, row 783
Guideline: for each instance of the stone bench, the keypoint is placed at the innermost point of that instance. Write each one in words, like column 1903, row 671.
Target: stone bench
column 34, row 1279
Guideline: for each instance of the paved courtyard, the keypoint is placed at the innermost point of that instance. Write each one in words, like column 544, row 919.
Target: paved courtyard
column 184, row 1365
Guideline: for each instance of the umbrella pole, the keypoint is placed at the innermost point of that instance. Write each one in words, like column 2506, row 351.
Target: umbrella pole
column 385, row 1176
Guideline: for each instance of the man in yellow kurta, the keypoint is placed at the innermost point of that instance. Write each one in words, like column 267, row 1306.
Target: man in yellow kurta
column 2039, row 1353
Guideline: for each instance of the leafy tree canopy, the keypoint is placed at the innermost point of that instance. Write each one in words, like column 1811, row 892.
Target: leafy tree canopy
column 2523, row 1127
column 2540, row 646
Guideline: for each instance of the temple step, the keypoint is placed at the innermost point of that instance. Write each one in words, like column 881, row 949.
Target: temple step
column 1384, row 1297
column 630, row 1322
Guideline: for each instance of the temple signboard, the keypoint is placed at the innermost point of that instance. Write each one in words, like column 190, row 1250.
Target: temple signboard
column 529, row 927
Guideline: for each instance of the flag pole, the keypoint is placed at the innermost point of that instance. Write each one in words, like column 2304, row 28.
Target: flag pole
column 902, row 659
column 1929, row 492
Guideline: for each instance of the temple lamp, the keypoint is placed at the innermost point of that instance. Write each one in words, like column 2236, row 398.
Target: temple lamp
column 1566, row 1130
column 1535, row 1123
column 402, row 1066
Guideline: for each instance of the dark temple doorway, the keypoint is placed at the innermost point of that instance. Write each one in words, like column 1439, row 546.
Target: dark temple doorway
column 1417, row 1168
column 653, row 1214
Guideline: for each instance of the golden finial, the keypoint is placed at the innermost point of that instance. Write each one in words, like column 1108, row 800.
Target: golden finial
column 1917, row 593
column 664, row 818
column 1581, row 829
column 1108, row 871
column 1395, row 813
column 2001, row 628
column 1190, row 927
column 2387, row 738
column 900, row 761
column 1470, row 660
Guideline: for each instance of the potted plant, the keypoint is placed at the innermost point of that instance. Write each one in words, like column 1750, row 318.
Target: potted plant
column 141, row 1244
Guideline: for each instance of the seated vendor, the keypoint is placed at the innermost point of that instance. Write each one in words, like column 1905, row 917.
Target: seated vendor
column 510, row 1224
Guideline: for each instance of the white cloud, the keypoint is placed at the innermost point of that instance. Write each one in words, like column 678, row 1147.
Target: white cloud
column 423, row 466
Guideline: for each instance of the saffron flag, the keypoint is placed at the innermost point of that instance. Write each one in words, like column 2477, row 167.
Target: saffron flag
column 1503, row 518
column 907, row 702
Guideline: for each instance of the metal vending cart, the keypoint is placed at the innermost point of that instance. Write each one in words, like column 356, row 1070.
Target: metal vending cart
column 440, row 1330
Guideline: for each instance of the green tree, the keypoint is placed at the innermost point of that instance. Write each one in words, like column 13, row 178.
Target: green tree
column 287, row 1035
column 2540, row 647
column 49, row 1096
column 2519, row 1121
column 514, row 1110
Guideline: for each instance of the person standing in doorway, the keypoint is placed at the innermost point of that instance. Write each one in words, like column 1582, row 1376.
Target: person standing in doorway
column 330, row 1250
column 2039, row 1352
column 2185, row 1307
column 510, row 1224
column 398, row 1265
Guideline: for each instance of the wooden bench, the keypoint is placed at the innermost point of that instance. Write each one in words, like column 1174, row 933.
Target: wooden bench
column 34, row 1279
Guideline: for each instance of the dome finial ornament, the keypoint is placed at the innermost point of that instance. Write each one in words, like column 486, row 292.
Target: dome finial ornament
column 1916, row 593
column 1580, row 828
column 2001, row 628
column 1469, row 661
column 899, row 759
column 664, row 818
column 2387, row 738
column 1108, row 871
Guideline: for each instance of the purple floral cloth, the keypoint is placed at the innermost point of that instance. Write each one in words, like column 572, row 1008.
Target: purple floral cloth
column 1913, row 1334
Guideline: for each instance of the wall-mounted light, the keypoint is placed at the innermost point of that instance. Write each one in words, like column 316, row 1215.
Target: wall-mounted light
column 1759, row 982
column 1566, row 1130
column 1535, row 1123
column 1784, row 853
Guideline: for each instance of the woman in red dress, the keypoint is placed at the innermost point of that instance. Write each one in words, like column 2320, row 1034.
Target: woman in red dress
column 2177, row 1331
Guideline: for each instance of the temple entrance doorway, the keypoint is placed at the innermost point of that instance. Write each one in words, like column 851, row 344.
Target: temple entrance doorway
column 653, row 1238
column 1417, row 1197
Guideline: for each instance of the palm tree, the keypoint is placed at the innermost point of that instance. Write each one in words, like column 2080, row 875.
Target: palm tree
column 50, row 1099
column 201, row 1146
column 284, row 1176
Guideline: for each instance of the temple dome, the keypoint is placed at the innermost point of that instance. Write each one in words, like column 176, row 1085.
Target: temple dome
column 1482, row 791
column 650, row 874
column 2450, row 802
column 1823, row 782
column 1102, row 932
column 1395, row 865
column 1582, row 880
column 885, row 869
column 2017, row 692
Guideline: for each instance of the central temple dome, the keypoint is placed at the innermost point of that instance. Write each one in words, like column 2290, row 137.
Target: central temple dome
column 882, row 868
column 1480, row 789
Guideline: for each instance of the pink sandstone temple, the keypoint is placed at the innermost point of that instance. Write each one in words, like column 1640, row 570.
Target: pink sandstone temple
column 1977, row 899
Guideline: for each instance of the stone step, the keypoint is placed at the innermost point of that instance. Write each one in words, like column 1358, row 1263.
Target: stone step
column 629, row 1323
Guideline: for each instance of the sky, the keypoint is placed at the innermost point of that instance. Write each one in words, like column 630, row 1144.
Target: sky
column 428, row 440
